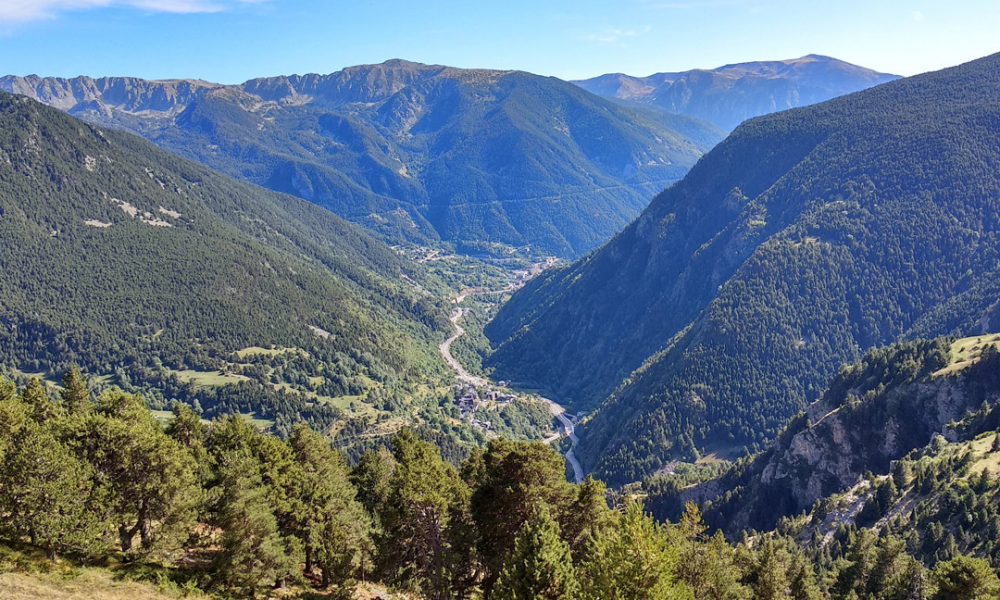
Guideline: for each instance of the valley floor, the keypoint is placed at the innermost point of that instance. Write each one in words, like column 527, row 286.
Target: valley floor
column 567, row 424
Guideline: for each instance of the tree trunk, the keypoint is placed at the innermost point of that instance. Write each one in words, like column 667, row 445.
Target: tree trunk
column 125, row 535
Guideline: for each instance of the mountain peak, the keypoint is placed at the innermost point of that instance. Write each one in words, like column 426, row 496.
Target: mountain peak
column 762, row 87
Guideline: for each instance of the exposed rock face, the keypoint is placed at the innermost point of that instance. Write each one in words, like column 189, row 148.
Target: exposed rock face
column 128, row 94
column 872, row 414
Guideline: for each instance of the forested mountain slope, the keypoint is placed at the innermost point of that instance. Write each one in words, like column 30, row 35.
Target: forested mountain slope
column 804, row 239
column 416, row 152
column 731, row 94
column 139, row 265
column 872, row 415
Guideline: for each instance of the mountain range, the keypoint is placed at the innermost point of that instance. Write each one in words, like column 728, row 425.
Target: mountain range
column 149, row 270
column 801, row 241
column 482, row 160
column 418, row 153
column 731, row 94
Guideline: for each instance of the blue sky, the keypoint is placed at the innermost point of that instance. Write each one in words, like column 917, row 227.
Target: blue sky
column 230, row 41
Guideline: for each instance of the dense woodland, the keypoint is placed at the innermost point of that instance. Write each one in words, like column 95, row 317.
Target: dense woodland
column 223, row 507
column 162, row 277
column 801, row 241
column 418, row 153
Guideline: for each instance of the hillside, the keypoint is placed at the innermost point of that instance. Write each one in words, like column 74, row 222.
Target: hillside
column 873, row 414
column 153, row 272
column 101, row 501
column 418, row 153
column 804, row 239
column 731, row 94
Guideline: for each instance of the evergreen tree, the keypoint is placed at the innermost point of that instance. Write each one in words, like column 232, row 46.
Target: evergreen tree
column 854, row 569
column 803, row 584
column 372, row 477
column 710, row 570
column 513, row 477
column 190, row 432
column 74, row 395
column 587, row 515
column 634, row 559
column 413, row 546
column 35, row 396
column 770, row 578
column 147, row 479
column 331, row 523
column 540, row 565
column 14, row 416
column 44, row 493
column 254, row 556
column 965, row 578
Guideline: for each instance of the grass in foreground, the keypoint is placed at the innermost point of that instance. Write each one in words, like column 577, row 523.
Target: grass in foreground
column 28, row 575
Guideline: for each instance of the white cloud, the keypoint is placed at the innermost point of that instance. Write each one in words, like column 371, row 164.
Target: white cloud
column 615, row 35
column 22, row 11
column 917, row 16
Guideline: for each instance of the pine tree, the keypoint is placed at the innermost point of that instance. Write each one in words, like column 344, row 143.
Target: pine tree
column 42, row 407
column 413, row 546
column 514, row 477
column 331, row 523
column 540, row 566
column 854, row 570
column 254, row 555
column 802, row 584
column 634, row 559
column 587, row 515
column 75, row 396
column 8, row 391
column 710, row 570
column 771, row 569
column 965, row 578
column 14, row 416
column 372, row 477
column 188, row 430
column 691, row 524
column 44, row 493
column 147, row 479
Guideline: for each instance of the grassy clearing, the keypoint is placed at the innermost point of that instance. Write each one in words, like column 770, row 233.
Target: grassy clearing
column 27, row 574
column 982, row 447
column 165, row 417
column 967, row 351
column 207, row 379
column 259, row 351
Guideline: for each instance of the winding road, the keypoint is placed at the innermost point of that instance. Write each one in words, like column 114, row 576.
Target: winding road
column 445, row 347
column 569, row 430
column 558, row 412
